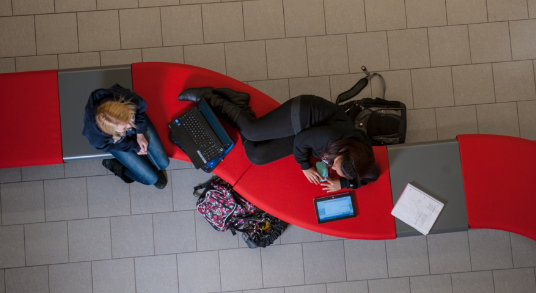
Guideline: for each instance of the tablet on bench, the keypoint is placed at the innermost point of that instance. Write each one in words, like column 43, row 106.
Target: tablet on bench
column 335, row 207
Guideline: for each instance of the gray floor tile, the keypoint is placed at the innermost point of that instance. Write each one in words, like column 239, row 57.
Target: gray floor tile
column 516, row 280
column 184, row 182
column 324, row 262
column 243, row 262
column 199, row 272
column 109, row 58
column 466, row 11
column 148, row 199
column 66, row 199
column 174, row 232
column 295, row 234
column 523, row 251
column 449, row 45
column 22, row 202
column 345, row 16
column 421, row 125
column 490, row 42
column 164, row 54
column 37, row 63
column 432, row 87
column 98, row 31
column 115, row 4
column 514, row 81
column 287, row 58
column 499, row 10
column 210, row 239
column 527, row 120
column 182, row 25
column 10, row 175
column 107, row 196
column 89, row 240
column 209, row 56
column 304, row 18
column 473, row 84
column 490, row 249
column 56, row 33
column 321, row 288
column 348, row 287
column 113, row 276
column 46, row 243
column 449, row 253
column 408, row 48
column 140, row 28
column 523, row 39
column 27, row 280
column 32, row 7
column 425, row 13
column 176, row 164
column 223, row 22
column 156, row 274
column 7, row 65
column 5, row 10
column 532, row 9
column 84, row 168
column 452, row 121
column 475, row 282
column 385, row 15
column 318, row 86
column 271, row 290
column 18, row 35
column 263, row 19
column 407, row 256
column 132, row 236
column 275, row 89
column 374, row 56
column 77, row 5
column 67, row 278
column 12, row 246
column 499, row 118
column 43, row 172
column 330, row 238
column 395, row 285
column 3, row 283
column 246, row 60
column 282, row 265
column 399, row 87
column 341, row 83
column 435, row 283
column 327, row 55
column 365, row 259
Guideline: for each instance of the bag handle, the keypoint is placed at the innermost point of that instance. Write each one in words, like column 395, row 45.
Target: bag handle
column 359, row 86
column 205, row 185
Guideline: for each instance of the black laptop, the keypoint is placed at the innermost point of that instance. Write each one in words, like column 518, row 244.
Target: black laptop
column 200, row 134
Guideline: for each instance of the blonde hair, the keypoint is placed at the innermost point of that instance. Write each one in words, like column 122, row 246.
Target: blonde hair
column 111, row 113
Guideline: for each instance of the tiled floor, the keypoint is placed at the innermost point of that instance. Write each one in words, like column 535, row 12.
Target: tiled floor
column 461, row 66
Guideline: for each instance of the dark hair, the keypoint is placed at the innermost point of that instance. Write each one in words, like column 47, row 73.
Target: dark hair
column 354, row 153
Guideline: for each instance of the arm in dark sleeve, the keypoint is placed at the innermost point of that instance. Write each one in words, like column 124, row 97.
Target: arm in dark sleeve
column 140, row 117
column 355, row 184
column 306, row 141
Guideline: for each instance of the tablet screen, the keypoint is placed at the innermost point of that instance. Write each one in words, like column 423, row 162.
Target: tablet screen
column 334, row 208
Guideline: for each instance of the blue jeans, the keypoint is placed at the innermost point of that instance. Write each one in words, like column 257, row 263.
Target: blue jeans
column 145, row 168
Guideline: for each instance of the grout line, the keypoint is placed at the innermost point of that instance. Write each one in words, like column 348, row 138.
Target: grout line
column 202, row 25
column 111, row 240
column 120, row 39
column 427, row 254
column 344, row 254
column 135, row 285
column 284, row 19
column 306, row 56
column 91, row 274
column 469, row 245
column 154, row 242
column 429, row 51
column 388, row 53
column 493, row 79
column 406, row 13
column 510, row 39
column 365, row 14
column 260, row 252
column 386, row 258
column 161, row 30
column 347, row 55
column 487, row 13
column 243, row 21
column 511, row 250
column 469, row 40
column 219, row 268
column 24, row 239
column 303, row 262
column 518, row 122
column 68, row 250
column 325, row 23
column 48, row 278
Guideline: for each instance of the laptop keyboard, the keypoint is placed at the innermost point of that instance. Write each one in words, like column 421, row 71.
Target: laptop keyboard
column 204, row 142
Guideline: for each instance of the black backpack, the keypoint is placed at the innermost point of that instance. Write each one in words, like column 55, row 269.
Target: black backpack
column 384, row 121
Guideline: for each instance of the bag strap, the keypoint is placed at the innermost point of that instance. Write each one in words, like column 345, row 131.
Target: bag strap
column 359, row 86
column 205, row 185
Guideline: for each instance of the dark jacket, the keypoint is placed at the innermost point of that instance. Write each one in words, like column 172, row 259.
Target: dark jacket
column 320, row 123
column 102, row 141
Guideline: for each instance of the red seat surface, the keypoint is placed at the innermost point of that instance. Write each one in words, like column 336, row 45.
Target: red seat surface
column 498, row 174
column 30, row 119
column 160, row 84
column 281, row 189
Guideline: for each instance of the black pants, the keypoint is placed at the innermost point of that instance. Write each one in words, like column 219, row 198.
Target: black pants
column 268, row 138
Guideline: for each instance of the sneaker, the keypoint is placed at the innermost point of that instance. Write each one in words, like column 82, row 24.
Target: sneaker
column 117, row 168
column 162, row 180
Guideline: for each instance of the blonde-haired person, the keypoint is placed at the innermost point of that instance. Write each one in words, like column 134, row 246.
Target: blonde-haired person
column 115, row 122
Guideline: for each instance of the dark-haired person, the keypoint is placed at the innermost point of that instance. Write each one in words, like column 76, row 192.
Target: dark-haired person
column 305, row 125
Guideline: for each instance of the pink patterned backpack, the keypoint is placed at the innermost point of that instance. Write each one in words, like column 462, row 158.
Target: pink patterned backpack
column 219, row 204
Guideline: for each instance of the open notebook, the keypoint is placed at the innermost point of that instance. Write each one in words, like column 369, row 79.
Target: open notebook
column 417, row 209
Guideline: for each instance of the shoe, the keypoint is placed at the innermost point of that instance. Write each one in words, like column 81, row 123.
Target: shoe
column 162, row 180
column 225, row 109
column 195, row 94
column 237, row 98
column 117, row 168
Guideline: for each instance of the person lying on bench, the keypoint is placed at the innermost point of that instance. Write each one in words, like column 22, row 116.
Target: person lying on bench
column 115, row 122
column 305, row 125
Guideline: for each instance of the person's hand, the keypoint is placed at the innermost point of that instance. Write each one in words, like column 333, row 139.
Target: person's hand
column 142, row 142
column 312, row 175
column 331, row 184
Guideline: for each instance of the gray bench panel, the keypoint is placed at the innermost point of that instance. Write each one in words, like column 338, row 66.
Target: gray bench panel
column 435, row 168
column 75, row 86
